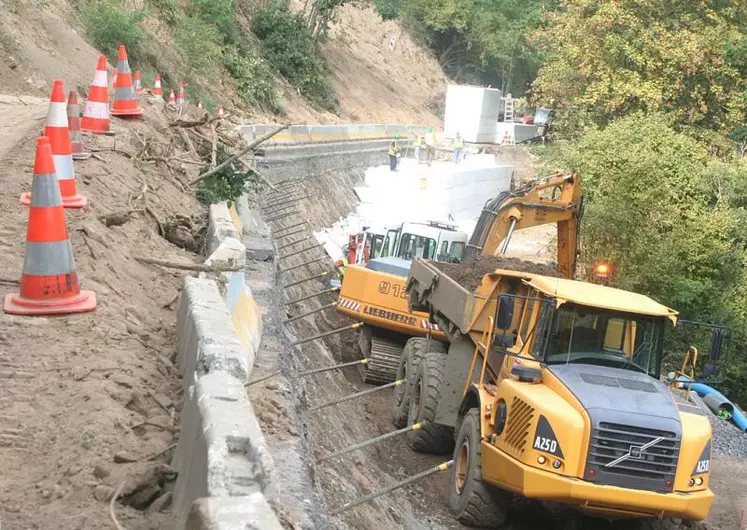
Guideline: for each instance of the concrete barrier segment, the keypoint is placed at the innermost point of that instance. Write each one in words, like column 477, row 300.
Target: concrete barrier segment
column 207, row 340
column 245, row 315
column 232, row 513
column 222, row 451
column 220, row 226
column 235, row 218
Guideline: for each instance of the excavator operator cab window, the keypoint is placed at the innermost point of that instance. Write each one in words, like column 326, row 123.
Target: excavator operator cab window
column 390, row 243
column 412, row 247
column 587, row 335
column 443, row 253
column 457, row 251
column 376, row 242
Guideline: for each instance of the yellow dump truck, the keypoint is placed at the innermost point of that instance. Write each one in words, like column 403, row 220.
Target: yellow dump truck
column 550, row 389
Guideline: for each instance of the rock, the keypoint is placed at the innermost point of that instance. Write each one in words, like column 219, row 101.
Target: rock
column 137, row 330
column 101, row 471
column 103, row 493
column 161, row 503
column 143, row 497
column 274, row 385
column 123, row 380
column 163, row 400
column 123, row 457
column 73, row 470
column 122, row 396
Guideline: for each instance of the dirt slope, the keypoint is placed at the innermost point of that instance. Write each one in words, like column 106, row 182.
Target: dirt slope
column 90, row 401
column 41, row 41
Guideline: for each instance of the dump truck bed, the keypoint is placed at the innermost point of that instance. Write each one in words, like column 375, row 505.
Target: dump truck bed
column 456, row 290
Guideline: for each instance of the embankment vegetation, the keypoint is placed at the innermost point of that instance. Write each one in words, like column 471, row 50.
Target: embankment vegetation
column 204, row 41
column 650, row 109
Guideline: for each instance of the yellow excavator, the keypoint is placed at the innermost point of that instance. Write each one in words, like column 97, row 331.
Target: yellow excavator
column 375, row 293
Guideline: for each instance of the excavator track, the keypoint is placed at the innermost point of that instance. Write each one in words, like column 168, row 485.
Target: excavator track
column 383, row 358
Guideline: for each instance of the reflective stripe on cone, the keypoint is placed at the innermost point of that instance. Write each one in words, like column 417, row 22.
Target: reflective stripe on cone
column 125, row 103
column 49, row 282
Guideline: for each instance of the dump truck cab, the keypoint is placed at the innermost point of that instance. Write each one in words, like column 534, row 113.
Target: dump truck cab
column 551, row 390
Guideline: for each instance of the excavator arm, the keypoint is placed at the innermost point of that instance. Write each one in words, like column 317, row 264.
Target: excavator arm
column 527, row 207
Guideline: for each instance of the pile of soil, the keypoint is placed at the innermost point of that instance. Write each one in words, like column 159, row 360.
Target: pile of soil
column 470, row 274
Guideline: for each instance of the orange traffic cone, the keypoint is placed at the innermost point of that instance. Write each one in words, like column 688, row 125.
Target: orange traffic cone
column 49, row 282
column 59, row 139
column 125, row 103
column 138, row 83
column 157, row 90
column 172, row 98
column 221, row 116
column 96, row 112
column 180, row 98
column 73, row 121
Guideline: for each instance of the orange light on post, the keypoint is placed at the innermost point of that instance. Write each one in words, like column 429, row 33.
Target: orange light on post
column 602, row 269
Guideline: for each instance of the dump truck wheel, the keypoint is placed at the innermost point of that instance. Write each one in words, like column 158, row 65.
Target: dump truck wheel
column 472, row 502
column 408, row 366
column 426, row 391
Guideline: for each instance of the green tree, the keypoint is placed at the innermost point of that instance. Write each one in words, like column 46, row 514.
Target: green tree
column 607, row 58
column 481, row 40
column 654, row 209
column 288, row 45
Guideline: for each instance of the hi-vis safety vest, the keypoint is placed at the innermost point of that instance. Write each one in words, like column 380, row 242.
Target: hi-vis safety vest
column 417, row 142
column 458, row 143
column 341, row 265
column 393, row 149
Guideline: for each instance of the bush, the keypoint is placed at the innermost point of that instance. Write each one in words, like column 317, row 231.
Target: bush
column 169, row 10
column 388, row 9
column 253, row 77
column 108, row 25
column 200, row 43
column 287, row 43
column 220, row 14
column 228, row 183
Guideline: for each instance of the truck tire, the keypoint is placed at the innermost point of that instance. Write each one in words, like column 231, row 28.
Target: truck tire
column 472, row 502
column 408, row 366
column 431, row 438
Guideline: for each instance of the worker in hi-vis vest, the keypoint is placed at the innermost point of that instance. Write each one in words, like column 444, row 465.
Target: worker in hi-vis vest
column 393, row 154
column 458, row 148
column 416, row 143
column 340, row 265
column 430, row 145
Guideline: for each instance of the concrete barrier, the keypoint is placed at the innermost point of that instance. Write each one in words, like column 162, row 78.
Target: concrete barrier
column 232, row 513
column 221, row 452
column 220, row 226
column 245, row 316
column 207, row 340
column 223, row 462
column 257, row 235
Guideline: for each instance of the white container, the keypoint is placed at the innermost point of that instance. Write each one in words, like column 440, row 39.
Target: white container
column 472, row 111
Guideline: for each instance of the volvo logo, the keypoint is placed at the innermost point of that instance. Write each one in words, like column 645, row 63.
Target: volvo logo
column 636, row 452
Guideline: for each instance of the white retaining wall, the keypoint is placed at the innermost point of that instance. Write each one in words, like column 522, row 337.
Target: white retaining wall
column 301, row 134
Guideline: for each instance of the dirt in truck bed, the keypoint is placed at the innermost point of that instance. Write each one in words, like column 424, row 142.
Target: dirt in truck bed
column 469, row 274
